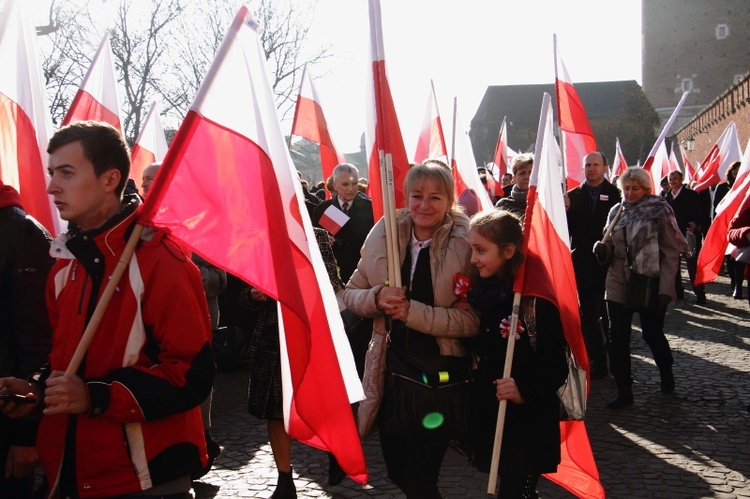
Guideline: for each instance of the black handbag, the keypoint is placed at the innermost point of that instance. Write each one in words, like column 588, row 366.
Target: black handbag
column 642, row 291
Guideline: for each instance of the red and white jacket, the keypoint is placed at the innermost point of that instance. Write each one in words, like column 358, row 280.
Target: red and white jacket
column 147, row 369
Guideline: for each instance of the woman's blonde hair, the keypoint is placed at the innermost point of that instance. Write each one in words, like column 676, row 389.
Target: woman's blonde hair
column 635, row 174
column 435, row 170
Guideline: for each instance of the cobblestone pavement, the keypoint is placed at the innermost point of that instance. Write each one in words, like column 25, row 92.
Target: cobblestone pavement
column 692, row 443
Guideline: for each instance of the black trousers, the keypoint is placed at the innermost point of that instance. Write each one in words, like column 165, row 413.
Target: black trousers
column 620, row 328
column 595, row 325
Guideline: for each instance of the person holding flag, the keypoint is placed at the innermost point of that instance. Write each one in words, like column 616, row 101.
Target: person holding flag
column 645, row 239
column 531, row 440
column 424, row 400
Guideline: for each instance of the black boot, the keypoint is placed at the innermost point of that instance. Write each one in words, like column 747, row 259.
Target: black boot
column 335, row 474
column 285, row 488
column 667, row 380
column 624, row 398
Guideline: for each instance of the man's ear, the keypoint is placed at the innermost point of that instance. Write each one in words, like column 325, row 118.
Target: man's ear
column 111, row 179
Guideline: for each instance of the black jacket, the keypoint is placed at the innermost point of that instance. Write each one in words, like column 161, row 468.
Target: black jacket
column 690, row 206
column 586, row 226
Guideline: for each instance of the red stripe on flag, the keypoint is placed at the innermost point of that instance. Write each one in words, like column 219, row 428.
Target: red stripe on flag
column 85, row 107
column 140, row 158
column 310, row 123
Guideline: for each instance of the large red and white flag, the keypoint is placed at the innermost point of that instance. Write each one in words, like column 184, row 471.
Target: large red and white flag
column 547, row 272
column 689, row 168
column 577, row 138
column 619, row 165
column 658, row 171
column 96, row 99
column 150, row 146
column 464, row 166
column 431, row 142
column 230, row 144
column 310, row 123
column 24, row 116
column 714, row 168
column 716, row 242
column 383, row 132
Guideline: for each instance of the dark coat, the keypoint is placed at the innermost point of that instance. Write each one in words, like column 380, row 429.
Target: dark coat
column 586, row 226
column 531, row 439
column 350, row 238
column 690, row 206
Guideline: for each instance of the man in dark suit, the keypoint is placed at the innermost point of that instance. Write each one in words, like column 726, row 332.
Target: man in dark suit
column 693, row 215
column 348, row 240
column 589, row 204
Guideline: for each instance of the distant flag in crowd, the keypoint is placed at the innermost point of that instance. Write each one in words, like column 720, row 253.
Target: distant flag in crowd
column 715, row 244
column 658, row 171
column 619, row 165
column 431, row 142
column 547, row 272
column 150, row 146
column 501, row 151
column 464, row 165
column 714, row 168
column 383, row 132
column 229, row 144
column 689, row 168
column 577, row 138
column 96, row 99
column 24, row 116
column 310, row 123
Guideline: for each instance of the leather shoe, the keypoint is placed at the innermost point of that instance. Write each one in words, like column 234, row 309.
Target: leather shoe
column 700, row 300
column 335, row 474
column 667, row 381
column 623, row 399
column 737, row 294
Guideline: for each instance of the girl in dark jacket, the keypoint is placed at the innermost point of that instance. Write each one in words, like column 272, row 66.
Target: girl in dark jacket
column 531, row 438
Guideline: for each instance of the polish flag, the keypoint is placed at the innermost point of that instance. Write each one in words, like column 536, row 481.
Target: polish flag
column 714, row 168
column 24, row 116
column 716, row 242
column 310, row 123
column 464, row 165
column 97, row 98
column 673, row 165
column 229, row 144
column 619, row 165
column 383, row 133
column 547, row 272
column 658, row 172
column 501, row 151
column 575, row 131
column 689, row 168
column 431, row 142
column 150, row 146
column 333, row 219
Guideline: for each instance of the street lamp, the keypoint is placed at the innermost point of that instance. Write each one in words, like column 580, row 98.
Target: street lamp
column 690, row 144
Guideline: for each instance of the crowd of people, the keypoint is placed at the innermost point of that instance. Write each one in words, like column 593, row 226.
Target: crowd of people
column 131, row 418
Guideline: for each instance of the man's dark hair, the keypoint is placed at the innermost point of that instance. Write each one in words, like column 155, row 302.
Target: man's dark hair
column 102, row 144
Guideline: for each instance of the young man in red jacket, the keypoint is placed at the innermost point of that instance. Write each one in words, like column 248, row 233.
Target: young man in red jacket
column 128, row 422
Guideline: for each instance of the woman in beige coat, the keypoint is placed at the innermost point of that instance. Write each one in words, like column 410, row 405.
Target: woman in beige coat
column 414, row 432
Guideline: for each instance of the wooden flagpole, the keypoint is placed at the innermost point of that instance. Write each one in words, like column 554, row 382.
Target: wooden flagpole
column 499, row 429
column 101, row 306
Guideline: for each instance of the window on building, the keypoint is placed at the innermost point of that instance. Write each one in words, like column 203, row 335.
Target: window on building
column 722, row 31
column 687, row 85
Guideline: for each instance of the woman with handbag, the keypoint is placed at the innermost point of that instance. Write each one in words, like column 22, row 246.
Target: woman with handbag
column 417, row 383
column 531, row 436
column 643, row 254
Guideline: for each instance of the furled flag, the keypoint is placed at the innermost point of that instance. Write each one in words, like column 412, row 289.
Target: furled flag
column 464, row 165
column 24, row 115
column 657, row 172
column 619, row 165
column 714, row 168
column 229, row 144
column 96, row 99
column 384, row 139
column 577, row 138
column 431, row 142
column 310, row 123
column 689, row 168
column 547, row 272
column 150, row 146
column 715, row 245
column 501, row 151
